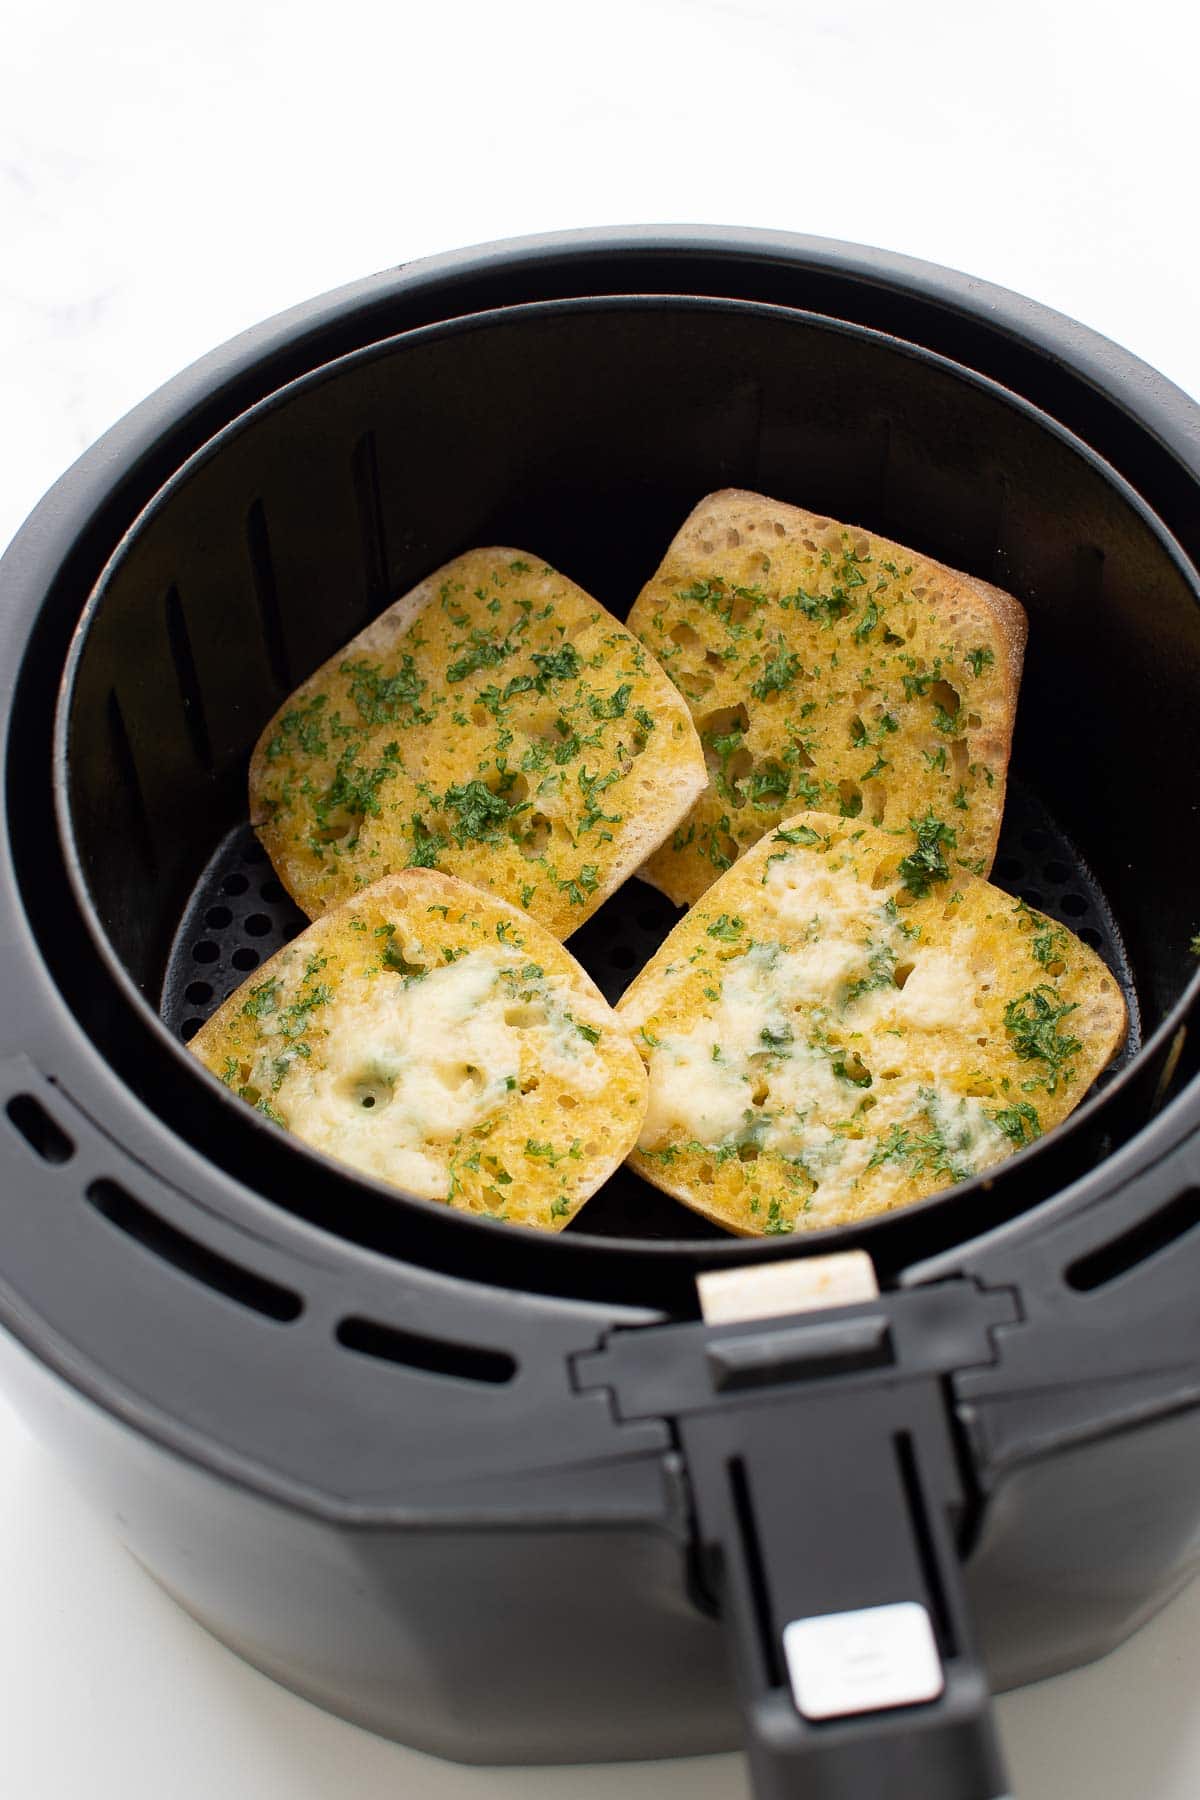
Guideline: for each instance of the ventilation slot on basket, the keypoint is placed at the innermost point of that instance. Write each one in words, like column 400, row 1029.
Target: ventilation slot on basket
column 436, row 1356
column 44, row 1137
column 128, row 783
column 365, row 474
column 1158, row 1232
column 263, row 572
column 180, row 641
column 120, row 1208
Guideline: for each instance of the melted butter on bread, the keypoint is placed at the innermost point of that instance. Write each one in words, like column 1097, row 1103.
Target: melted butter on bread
column 827, row 667
column 432, row 1037
column 495, row 722
column 823, row 1041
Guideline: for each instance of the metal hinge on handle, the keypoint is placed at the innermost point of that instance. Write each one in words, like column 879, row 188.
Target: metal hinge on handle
column 828, row 1500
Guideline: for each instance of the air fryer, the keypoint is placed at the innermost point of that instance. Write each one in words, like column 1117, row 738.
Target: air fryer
column 506, row 1496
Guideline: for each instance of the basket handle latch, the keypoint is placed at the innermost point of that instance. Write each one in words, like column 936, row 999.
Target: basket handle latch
column 825, row 1537
column 829, row 1501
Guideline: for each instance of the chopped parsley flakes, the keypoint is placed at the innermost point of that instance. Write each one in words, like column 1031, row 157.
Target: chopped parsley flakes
column 1032, row 1022
column 926, row 863
column 779, row 672
column 479, row 811
column 379, row 697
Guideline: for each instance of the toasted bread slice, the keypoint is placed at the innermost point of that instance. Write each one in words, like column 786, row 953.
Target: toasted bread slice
column 829, row 668
column 434, row 1037
column 496, row 723
column 831, row 1032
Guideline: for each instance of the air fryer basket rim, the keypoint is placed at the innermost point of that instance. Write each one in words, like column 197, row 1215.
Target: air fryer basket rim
column 580, row 1241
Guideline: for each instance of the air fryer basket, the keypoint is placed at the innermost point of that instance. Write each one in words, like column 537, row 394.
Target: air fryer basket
column 418, row 1407
column 583, row 431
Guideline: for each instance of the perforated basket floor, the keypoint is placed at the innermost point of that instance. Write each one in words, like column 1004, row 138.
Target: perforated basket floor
column 239, row 915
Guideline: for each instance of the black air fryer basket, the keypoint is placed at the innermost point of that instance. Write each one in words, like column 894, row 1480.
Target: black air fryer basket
column 507, row 1496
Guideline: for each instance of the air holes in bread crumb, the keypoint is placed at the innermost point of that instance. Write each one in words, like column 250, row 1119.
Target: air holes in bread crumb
column 533, row 841
column 850, row 796
column 724, row 720
column 526, row 1016
column 369, row 1090
column 737, row 768
column 685, row 636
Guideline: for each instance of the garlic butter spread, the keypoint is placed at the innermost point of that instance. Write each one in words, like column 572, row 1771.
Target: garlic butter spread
column 432, row 1038
column 836, row 1029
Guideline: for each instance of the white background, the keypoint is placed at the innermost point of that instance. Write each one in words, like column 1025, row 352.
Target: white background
column 169, row 175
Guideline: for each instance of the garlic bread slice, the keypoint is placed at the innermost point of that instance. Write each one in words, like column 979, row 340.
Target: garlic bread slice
column 497, row 723
column 827, row 667
column 434, row 1037
column 840, row 1027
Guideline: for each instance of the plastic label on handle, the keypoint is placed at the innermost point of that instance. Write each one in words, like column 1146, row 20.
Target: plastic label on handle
column 772, row 1290
column 841, row 1664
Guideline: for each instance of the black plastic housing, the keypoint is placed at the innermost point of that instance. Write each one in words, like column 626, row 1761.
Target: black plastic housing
column 382, row 1450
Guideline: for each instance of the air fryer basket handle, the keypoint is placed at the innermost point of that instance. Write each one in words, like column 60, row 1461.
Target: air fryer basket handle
column 826, row 1541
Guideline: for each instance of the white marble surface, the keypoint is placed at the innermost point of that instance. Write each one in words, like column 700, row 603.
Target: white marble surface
column 169, row 175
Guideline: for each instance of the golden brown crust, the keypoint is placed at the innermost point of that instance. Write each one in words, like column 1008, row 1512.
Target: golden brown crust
column 1013, row 623
column 495, row 722
column 848, row 670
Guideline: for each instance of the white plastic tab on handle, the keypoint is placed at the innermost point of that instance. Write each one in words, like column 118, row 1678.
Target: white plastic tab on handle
column 772, row 1290
column 841, row 1664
